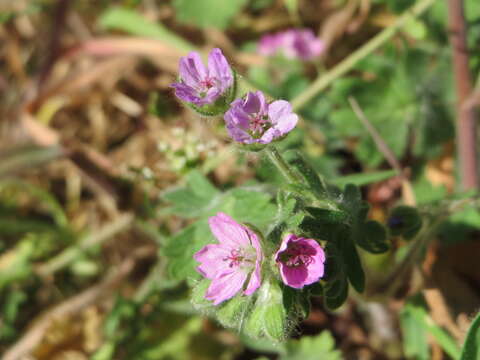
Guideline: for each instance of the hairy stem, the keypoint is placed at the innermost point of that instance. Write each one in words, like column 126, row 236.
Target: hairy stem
column 287, row 172
column 325, row 80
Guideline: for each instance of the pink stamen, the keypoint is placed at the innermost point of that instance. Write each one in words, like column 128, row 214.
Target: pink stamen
column 257, row 123
column 207, row 83
column 236, row 258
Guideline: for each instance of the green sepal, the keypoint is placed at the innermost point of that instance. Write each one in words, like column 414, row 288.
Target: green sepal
column 254, row 147
column 254, row 325
column 232, row 313
column 198, row 296
column 268, row 317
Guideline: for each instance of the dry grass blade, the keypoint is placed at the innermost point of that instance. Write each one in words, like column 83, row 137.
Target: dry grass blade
column 34, row 335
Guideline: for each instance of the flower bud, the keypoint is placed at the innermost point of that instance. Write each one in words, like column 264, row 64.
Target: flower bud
column 404, row 221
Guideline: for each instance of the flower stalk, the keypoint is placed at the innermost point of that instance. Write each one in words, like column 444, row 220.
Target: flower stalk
column 277, row 159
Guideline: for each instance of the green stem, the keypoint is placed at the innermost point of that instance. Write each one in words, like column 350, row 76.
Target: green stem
column 285, row 169
column 325, row 80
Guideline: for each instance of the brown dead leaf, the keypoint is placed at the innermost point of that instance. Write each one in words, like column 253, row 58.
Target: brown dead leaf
column 440, row 171
column 337, row 23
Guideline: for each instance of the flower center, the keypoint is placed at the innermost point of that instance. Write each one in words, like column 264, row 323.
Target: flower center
column 297, row 255
column 207, row 83
column 204, row 85
column 238, row 257
column 258, row 124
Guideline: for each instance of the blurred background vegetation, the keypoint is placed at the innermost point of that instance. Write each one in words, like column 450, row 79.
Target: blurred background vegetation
column 102, row 174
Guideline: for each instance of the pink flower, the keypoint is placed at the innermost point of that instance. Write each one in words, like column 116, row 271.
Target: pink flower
column 201, row 85
column 253, row 120
column 229, row 263
column 292, row 43
column 301, row 261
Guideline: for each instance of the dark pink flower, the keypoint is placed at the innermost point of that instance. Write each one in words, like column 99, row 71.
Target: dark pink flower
column 301, row 261
column 202, row 85
column 292, row 43
column 236, row 259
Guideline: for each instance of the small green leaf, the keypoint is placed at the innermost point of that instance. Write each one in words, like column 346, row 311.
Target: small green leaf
column 364, row 178
column 471, row 347
column 208, row 13
column 326, row 216
column 198, row 296
column 415, row 342
column 336, row 288
column 355, row 272
column 420, row 315
column 181, row 247
column 191, row 200
column 133, row 23
column 317, row 347
column 372, row 237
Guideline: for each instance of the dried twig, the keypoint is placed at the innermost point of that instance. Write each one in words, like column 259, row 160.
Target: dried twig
column 58, row 24
column 35, row 334
column 407, row 190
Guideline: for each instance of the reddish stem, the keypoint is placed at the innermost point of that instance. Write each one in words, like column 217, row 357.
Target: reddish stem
column 466, row 132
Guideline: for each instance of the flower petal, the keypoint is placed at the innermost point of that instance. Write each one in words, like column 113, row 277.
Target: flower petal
column 225, row 287
column 286, row 124
column 279, row 109
column 228, row 231
column 255, row 279
column 219, row 68
column 283, row 246
column 269, row 44
column 211, row 258
column 294, row 276
column 191, row 69
column 308, row 273
column 212, row 95
column 186, row 93
column 253, row 102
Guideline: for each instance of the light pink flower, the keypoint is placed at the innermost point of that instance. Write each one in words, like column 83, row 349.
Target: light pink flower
column 301, row 261
column 253, row 120
column 230, row 263
column 199, row 84
column 292, row 43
